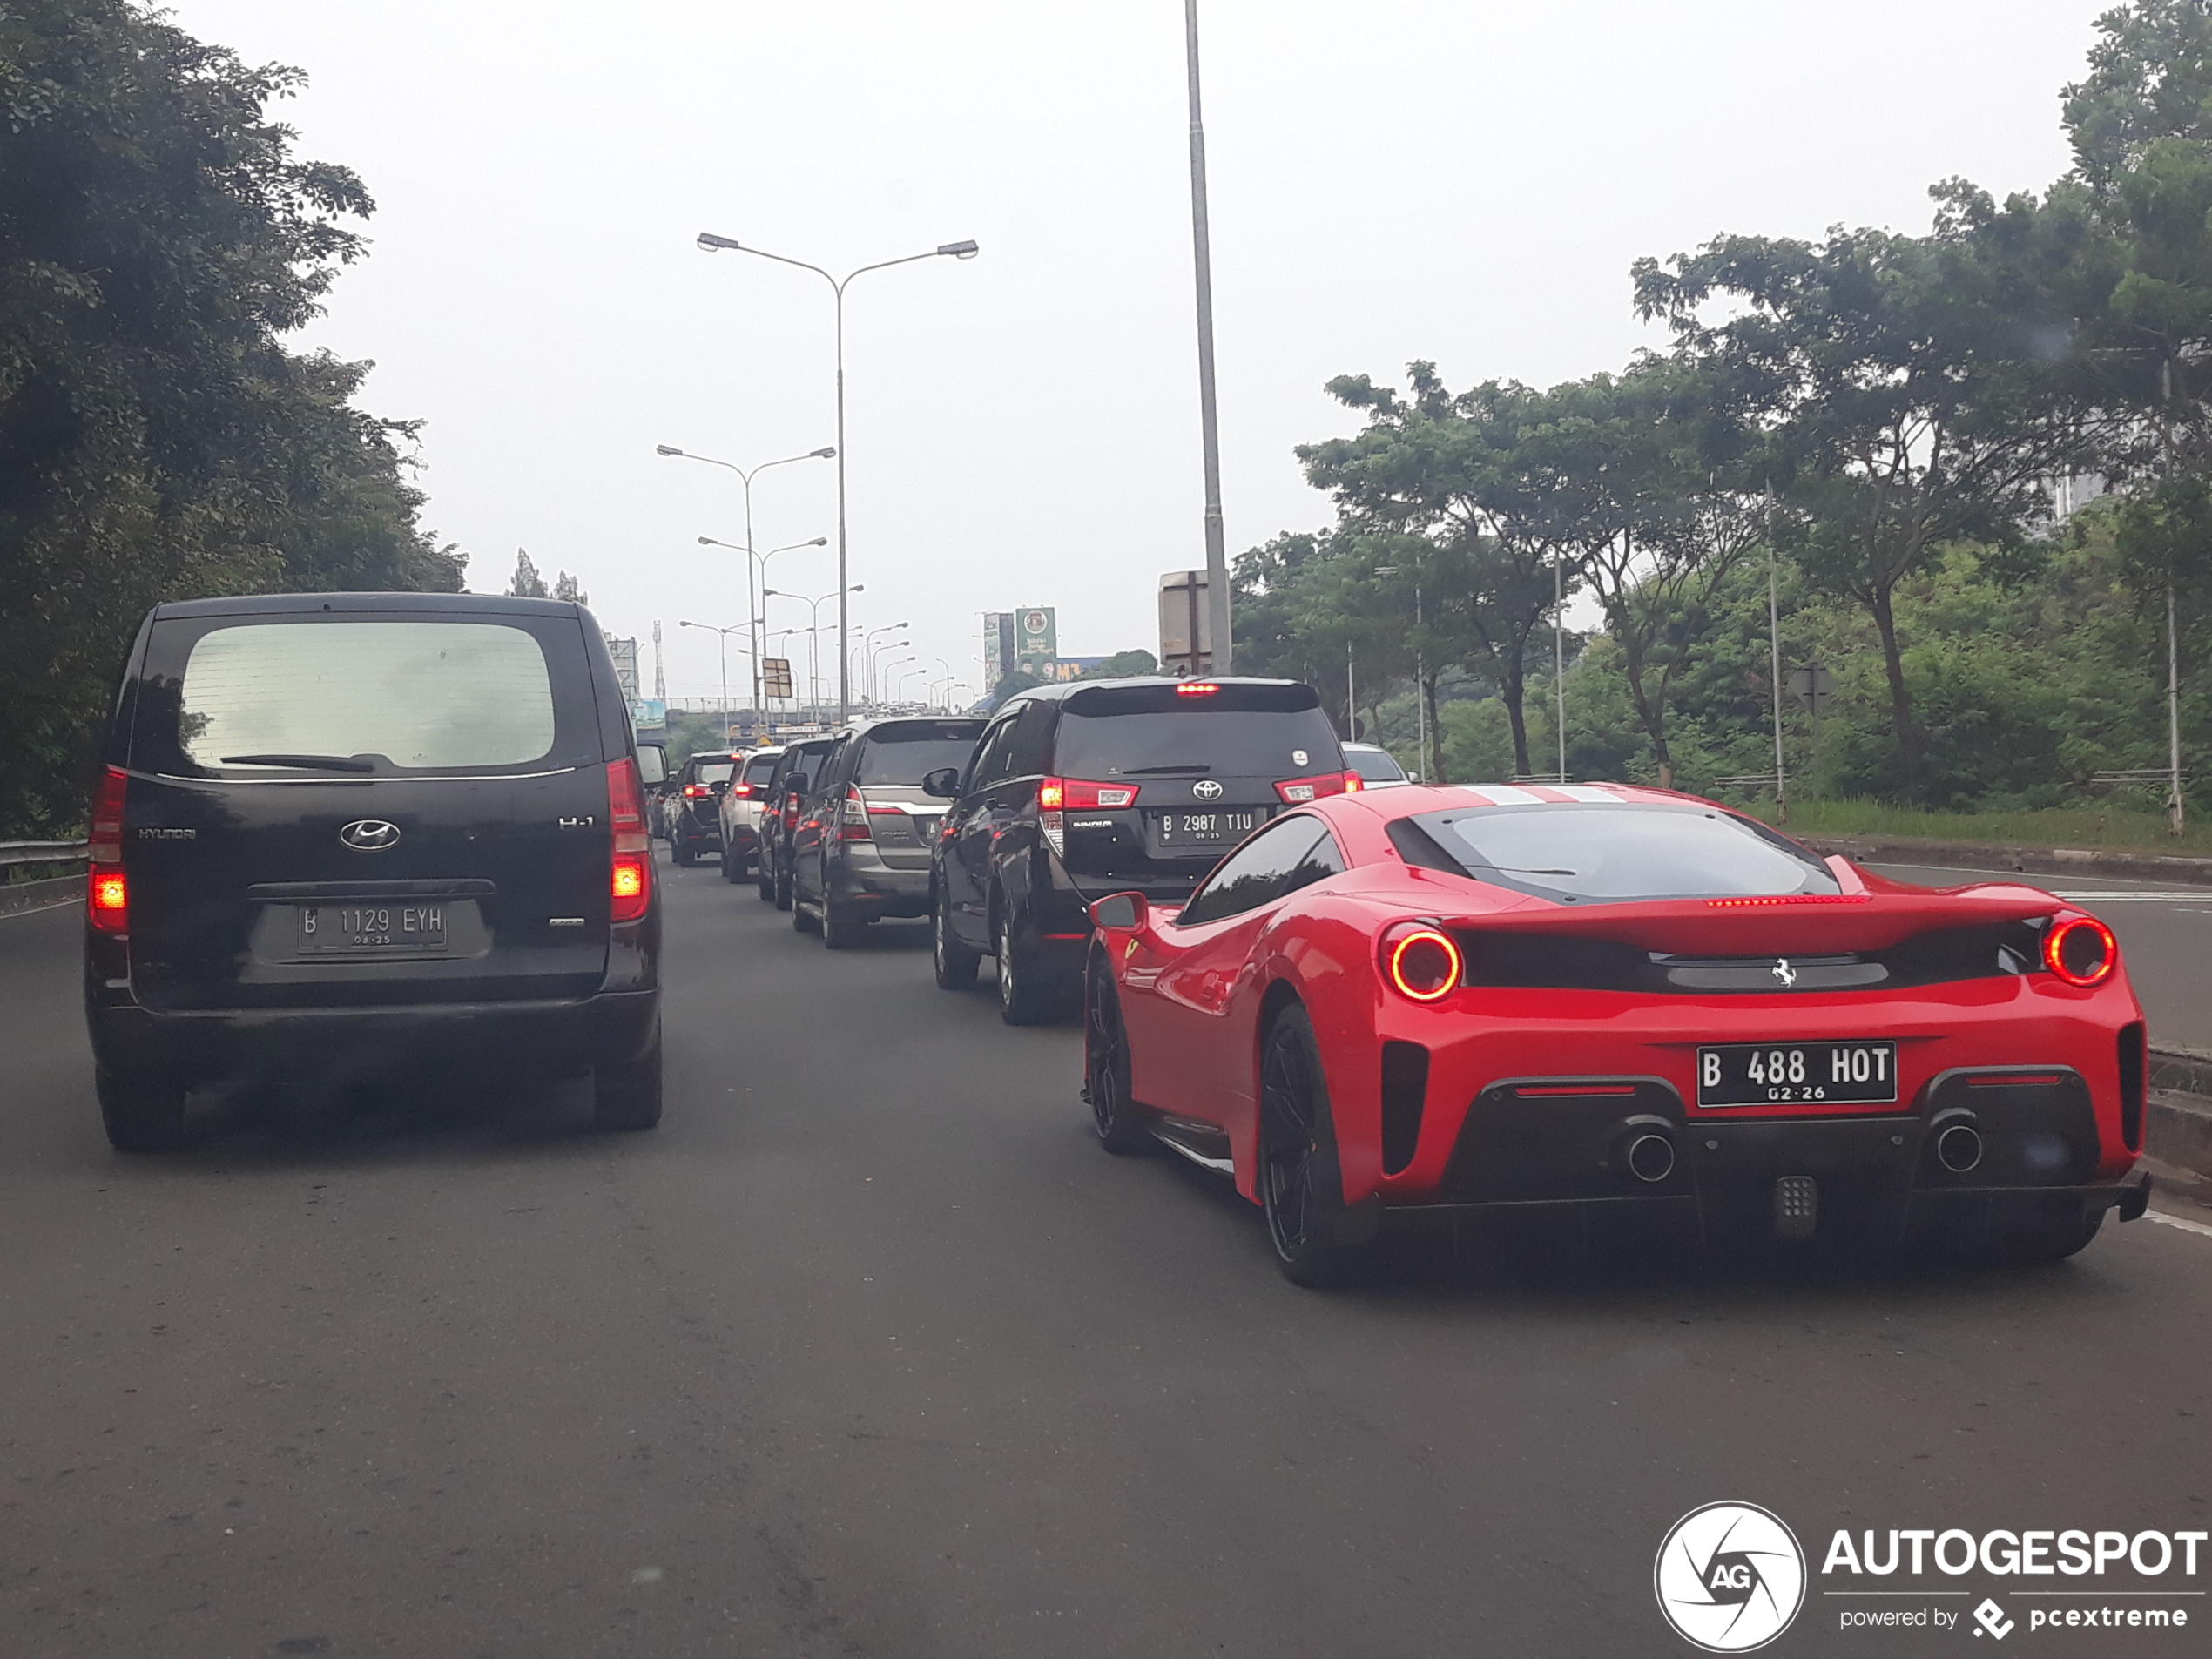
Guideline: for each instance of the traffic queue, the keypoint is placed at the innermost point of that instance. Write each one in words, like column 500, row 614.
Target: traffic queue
column 1581, row 1013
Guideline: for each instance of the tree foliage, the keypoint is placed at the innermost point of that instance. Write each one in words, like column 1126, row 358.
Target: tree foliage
column 158, row 238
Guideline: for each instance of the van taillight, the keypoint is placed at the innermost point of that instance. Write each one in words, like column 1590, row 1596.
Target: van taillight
column 1299, row 789
column 852, row 822
column 1077, row 794
column 631, row 881
column 107, row 892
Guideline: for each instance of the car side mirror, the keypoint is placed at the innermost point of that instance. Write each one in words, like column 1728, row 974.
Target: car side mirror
column 944, row 783
column 1121, row 912
column 653, row 765
column 722, row 788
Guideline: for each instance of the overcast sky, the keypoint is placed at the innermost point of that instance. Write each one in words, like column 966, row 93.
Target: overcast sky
column 1462, row 181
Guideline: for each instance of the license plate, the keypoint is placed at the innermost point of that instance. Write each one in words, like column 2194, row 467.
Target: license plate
column 1197, row 829
column 371, row 929
column 1796, row 1073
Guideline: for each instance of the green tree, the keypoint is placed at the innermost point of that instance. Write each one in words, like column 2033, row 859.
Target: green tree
column 1124, row 664
column 527, row 583
column 158, row 237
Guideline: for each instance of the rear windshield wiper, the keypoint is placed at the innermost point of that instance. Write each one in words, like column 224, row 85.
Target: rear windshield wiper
column 1167, row 772
column 313, row 763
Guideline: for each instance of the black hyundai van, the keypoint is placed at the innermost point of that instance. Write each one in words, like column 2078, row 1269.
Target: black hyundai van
column 1080, row 790
column 372, row 831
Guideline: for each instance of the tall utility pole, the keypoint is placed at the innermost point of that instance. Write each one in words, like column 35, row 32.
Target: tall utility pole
column 1202, row 249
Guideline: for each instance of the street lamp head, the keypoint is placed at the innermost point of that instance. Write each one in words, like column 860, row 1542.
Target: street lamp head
column 707, row 541
column 666, row 449
column 826, row 454
column 960, row 250
column 819, row 541
column 709, row 243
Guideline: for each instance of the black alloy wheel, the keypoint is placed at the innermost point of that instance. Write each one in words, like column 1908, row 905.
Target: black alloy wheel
column 140, row 1114
column 1301, row 1187
column 1106, row 1064
column 955, row 963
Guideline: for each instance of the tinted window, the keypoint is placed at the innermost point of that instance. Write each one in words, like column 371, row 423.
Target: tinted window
column 1375, row 767
column 1609, row 854
column 1031, row 755
column 993, row 755
column 713, row 772
column 1274, row 863
column 417, row 695
column 760, row 768
column 1130, row 731
column 908, row 753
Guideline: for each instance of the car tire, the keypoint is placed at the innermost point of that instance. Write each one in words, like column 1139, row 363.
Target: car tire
column 1106, row 1066
column 140, row 1114
column 783, row 891
column 680, row 850
column 765, row 879
column 1025, row 997
column 627, row 1095
column 733, row 869
column 955, row 963
column 1300, row 1180
column 838, row 934
column 802, row 919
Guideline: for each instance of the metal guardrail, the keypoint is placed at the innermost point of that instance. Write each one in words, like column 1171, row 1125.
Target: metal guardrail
column 13, row 853
column 2161, row 775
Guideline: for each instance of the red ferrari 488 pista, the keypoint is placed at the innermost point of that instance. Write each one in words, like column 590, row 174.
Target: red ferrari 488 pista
column 1604, row 1011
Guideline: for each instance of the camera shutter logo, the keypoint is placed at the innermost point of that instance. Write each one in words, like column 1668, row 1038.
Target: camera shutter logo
column 1730, row 1577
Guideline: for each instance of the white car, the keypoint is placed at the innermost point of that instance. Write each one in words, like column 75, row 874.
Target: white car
column 741, row 813
column 1376, row 766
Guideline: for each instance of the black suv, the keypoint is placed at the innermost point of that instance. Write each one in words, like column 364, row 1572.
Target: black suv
column 861, row 851
column 1078, row 790
column 691, row 819
column 354, row 831
column 780, row 806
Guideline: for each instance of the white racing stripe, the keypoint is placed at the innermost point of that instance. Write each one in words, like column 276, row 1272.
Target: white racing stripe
column 1507, row 795
column 2160, row 1217
column 1583, row 792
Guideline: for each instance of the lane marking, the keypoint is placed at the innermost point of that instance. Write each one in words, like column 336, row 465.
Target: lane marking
column 41, row 909
column 2160, row 1217
column 2170, row 897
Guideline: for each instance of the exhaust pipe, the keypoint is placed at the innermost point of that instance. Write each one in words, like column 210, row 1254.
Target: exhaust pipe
column 1651, row 1158
column 1959, row 1148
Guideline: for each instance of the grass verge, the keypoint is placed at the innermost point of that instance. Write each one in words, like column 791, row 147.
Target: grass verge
column 2109, row 827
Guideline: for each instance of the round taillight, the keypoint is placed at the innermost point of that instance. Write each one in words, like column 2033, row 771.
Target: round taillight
column 1422, row 963
column 2081, row 951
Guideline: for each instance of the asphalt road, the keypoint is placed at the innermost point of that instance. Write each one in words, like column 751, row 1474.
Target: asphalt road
column 868, row 1350
column 2165, row 933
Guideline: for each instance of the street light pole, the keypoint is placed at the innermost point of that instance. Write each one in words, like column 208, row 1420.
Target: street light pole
column 1209, row 425
column 757, row 565
column 724, row 633
column 746, row 476
column 710, row 243
column 813, row 636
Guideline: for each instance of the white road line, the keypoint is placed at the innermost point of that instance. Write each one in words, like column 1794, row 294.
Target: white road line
column 2079, row 897
column 2160, row 1217
column 41, row 909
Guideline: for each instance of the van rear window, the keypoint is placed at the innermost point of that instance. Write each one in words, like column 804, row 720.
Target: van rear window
column 1263, row 731
column 410, row 694
column 905, row 754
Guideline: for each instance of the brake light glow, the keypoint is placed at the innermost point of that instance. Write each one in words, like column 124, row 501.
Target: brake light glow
column 2081, row 951
column 629, row 882
column 1767, row 900
column 1077, row 794
column 107, row 892
column 692, row 792
column 1421, row 962
column 1297, row 791
column 742, row 791
column 1196, row 688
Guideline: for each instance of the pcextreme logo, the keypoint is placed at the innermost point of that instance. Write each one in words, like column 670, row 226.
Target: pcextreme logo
column 1730, row 1577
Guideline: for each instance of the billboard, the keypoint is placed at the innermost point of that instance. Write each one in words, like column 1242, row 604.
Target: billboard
column 775, row 676
column 998, row 646
column 1186, row 629
column 1036, row 640
column 649, row 713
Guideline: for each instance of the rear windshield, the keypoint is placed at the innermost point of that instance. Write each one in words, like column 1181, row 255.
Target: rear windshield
column 1615, row 854
column 1268, row 731
column 415, row 696
column 760, row 768
column 713, row 771
column 1375, row 766
column 908, row 753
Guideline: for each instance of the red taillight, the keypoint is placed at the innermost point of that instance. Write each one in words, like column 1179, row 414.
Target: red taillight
column 1077, row 794
column 791, row 812
column 107, row 892
column 631, row 881
column 692, row 792
column 1298, row 791
column 1768, row 900
column 852, row 822
column 1421, row 962
column 742, row 791
column 2081, row 951
column 1196, row 688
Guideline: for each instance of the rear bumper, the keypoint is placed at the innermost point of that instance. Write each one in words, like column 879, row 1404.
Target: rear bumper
column 537, row 1037
column 866, row 888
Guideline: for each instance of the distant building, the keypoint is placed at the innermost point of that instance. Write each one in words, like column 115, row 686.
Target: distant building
column 625, row 651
